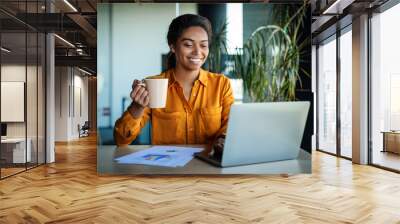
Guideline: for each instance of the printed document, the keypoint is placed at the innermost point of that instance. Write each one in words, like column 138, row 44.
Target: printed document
column 169, row 156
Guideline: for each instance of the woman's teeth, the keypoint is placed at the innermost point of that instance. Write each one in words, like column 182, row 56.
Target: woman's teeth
column 195, row 60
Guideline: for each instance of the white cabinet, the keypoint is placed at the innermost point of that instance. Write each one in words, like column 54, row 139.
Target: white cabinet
column 17, row 147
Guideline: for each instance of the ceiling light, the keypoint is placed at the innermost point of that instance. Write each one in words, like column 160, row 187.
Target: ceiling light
column 338, row 6
column 331, row 7
column 64, row 40
column 70, row 5
column 5, row 49
column 84, row 71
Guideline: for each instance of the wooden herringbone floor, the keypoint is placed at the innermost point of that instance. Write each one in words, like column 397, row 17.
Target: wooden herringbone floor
column 70, row 191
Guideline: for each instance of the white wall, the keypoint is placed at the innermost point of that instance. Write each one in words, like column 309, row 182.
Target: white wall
column 12, row 73
column 70, row 84
column 131, row 49
column 61, row 103
column 79, row 117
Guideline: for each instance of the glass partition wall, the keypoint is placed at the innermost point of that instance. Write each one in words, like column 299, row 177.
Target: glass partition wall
column 22, row 100
column 13, row 86
column 385, row 89
column 345, row 61
column 327, row 96
column 334, row 94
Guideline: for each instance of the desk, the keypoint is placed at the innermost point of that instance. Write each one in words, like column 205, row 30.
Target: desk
column 107, row 166
column 391, row 141
column 15, row 148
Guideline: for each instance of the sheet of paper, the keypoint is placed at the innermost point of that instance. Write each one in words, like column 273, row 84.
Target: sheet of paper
column 170, row 156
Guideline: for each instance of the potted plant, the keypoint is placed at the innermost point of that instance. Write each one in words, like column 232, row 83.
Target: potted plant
column 269, row 62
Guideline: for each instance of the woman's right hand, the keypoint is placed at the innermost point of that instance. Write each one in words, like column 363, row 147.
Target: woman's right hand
column 139, row 94
column 140, row 99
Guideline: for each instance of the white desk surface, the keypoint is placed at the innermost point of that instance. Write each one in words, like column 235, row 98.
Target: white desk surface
column 107, row 166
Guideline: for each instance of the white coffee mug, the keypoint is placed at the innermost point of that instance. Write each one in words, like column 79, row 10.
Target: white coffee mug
column 157, row 89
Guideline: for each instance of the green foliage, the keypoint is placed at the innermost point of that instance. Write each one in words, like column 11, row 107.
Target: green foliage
column 269, row 62
column 218, row 48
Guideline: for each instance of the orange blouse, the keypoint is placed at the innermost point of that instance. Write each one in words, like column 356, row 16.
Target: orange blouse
column 197, row 121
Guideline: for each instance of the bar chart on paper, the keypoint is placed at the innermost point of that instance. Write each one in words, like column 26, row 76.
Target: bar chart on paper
column 169, row 156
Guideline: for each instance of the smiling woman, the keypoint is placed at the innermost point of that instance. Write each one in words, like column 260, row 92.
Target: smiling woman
column 198, row 101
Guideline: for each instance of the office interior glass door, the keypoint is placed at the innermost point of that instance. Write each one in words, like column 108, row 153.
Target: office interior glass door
column 22, row 93
column 35, row 88
column 346, row 92
column 41, row 109
column 14, row 153
column 326, row 60
column 32, row 97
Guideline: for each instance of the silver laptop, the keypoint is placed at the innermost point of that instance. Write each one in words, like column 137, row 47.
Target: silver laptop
column 262, row 132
